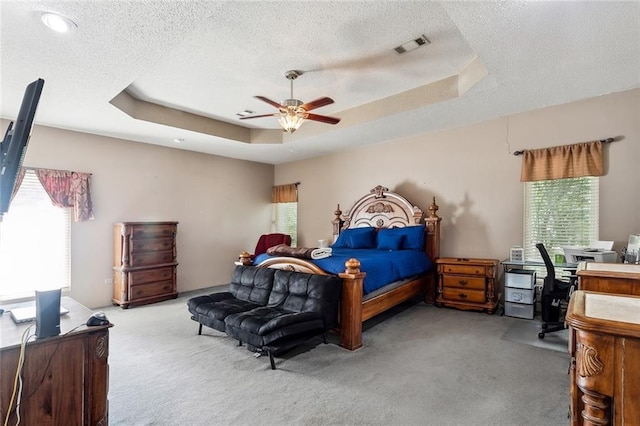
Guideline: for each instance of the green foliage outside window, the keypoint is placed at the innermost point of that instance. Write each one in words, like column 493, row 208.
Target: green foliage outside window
column 560, row 213
column 286, row 220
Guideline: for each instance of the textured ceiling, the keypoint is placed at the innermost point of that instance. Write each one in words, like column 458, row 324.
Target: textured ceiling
column 156, row 71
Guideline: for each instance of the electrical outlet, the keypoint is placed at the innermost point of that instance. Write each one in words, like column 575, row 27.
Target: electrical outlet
column 108, row 281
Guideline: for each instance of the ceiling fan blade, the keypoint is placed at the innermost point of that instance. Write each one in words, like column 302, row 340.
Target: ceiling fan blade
column 269, row 101
column 257, row 116
column 317, row 103
column 323, row 118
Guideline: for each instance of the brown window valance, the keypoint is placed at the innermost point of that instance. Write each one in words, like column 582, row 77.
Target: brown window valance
column 285, row 193
column 560, row 162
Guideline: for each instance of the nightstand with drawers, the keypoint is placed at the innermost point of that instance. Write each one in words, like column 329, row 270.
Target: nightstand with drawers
column 467, row 284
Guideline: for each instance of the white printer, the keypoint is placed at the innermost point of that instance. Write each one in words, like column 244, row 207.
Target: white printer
column 598, row 251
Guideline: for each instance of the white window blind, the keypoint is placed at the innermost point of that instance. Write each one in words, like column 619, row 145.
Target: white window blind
column 561, row 212
column 34, row 243
column 286, row 220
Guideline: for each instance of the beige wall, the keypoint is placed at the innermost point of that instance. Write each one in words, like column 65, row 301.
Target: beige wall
column 474, row 178
column 222, row 205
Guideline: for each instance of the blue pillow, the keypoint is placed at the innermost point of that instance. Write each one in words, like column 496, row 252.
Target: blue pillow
column 413, row 237
column 389, row 240
column 345, row 236
column 362, row 240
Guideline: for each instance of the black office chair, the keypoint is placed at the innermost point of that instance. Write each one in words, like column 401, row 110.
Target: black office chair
column 554, row 291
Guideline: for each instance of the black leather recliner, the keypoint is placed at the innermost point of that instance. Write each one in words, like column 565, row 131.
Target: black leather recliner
column 300, row 306
column 249, row 288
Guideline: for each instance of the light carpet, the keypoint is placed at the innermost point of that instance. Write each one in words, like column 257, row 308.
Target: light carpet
column 526, row 332
column 421, row 366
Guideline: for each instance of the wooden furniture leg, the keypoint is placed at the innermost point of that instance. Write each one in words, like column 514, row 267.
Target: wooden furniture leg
column 596, row 408
column 351, row 309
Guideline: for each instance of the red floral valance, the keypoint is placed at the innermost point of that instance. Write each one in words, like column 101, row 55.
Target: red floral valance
column 69, row 190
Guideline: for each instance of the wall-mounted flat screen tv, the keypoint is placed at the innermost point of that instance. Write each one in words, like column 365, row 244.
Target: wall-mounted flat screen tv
column 14, row 144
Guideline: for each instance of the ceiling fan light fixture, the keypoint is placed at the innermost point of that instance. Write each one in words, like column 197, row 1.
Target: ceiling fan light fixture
column 291, row 119
column 293, row 112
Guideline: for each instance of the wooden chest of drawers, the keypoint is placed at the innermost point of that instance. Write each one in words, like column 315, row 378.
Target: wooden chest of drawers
column 467, row 284
column 144, row 262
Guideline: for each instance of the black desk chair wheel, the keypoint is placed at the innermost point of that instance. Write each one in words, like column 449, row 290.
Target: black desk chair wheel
column 554, row 292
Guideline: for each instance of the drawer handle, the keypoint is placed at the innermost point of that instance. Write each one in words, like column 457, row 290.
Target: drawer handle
column 462, row 282
column 462, row 296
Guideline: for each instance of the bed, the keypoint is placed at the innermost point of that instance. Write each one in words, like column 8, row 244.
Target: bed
column 364, row 295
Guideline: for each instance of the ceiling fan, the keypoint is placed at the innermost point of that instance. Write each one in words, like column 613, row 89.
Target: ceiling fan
column 293, row 112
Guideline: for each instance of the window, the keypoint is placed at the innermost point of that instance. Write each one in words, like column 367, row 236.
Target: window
column 286, row 220
column 34, row 243
column 285, row 210
column 560, row 212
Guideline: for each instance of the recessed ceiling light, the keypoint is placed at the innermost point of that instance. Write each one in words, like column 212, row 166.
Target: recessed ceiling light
column 58, row 23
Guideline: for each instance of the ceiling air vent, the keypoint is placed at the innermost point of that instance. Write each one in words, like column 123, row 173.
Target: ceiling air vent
column 244, row 113
column 412, row 45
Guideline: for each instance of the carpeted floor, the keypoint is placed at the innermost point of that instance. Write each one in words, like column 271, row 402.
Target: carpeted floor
column 526, row 332
column 420, row 366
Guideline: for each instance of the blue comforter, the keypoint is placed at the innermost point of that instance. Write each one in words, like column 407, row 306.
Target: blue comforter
column 382, row 266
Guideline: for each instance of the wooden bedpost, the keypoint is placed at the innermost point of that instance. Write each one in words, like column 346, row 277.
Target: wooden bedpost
column 351, row 309
column 337, row 223
column 432, row 248
column 432, row 244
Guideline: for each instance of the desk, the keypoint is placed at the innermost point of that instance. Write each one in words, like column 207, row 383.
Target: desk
column 567, row 270
column 65, row 378
column 507, row 264
column 604, row 344
column 616, row 278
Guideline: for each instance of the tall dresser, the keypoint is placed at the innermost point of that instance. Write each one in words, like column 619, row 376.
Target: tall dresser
column 144, row 262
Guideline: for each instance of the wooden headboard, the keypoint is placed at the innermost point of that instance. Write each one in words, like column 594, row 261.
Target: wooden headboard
column 384, row 209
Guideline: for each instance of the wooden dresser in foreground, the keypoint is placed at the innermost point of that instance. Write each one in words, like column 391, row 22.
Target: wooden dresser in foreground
column 144, row 262
column 467, row 284
column 65, row 378
column 604, row 344
column 613, row 278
